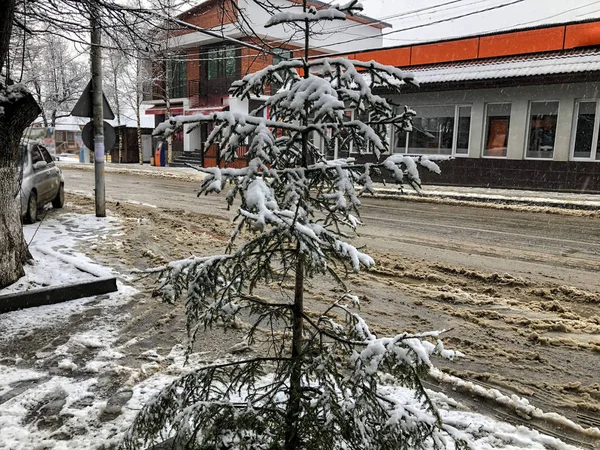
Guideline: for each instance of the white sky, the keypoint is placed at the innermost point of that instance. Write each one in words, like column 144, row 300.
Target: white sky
column 525, row 13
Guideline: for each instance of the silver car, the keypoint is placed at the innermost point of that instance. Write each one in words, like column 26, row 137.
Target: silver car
column 42, row 181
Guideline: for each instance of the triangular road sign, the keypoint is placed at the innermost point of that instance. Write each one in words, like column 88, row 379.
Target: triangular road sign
column 84, row 106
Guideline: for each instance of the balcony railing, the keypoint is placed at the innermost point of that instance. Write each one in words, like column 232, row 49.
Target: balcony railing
column 157, row 91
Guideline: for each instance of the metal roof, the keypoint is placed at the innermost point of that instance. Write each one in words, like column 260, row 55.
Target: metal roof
column 510, row 67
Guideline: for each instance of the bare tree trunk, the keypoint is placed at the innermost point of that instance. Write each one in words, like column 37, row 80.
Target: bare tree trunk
column 169, row 157
column 17, row 111
column 139, row 134
column 115, row 70
column 13, row 249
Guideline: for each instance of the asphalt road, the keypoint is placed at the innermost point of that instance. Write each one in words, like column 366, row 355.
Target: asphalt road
column 546, row 247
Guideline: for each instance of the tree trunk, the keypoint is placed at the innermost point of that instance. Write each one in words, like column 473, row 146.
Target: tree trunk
column 139, row 134
column 17, row 110
column 16, row 115
column 292, row 438
column 138, row 102
column 118, row 107
column 169, row 156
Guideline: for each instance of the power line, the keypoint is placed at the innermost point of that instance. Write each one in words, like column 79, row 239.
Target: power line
column 512, row 27
column 407, row 14
column 414, row 27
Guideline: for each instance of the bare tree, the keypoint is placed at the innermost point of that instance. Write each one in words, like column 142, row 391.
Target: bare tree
column 116, row 63
column 126, row 25
column 18, row 109
column 56, row 73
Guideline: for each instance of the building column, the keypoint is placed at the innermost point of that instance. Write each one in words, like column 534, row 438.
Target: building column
column 477, row 131
column 518, row 129
column 564, row 129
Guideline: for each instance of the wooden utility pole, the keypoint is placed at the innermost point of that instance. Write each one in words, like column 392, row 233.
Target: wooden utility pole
column 98, row 115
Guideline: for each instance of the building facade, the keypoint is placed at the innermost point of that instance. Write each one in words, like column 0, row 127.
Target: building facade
column 517, row 109
column 202, row 67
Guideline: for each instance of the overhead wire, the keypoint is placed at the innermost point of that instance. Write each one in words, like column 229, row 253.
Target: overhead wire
column 414, row 27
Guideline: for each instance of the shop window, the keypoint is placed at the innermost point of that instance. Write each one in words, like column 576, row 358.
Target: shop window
column 585, row 143
column 543, row 117
column 341, row 146
column 463, row 130
column 497, row 119
column 438, row 130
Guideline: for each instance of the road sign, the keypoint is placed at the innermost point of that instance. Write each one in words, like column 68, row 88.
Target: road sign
column 83, row 107
column 110, row 136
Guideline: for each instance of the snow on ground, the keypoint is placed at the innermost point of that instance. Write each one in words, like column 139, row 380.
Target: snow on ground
column 52, row 244
column 61, row 401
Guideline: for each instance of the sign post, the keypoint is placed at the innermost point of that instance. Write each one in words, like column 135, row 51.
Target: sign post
column 96, row 50
column 93, row 104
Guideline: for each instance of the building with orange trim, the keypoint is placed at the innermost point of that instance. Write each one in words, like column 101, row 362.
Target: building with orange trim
column 517, row 109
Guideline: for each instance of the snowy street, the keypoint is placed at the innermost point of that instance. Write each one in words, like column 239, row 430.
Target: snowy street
column 518, row 291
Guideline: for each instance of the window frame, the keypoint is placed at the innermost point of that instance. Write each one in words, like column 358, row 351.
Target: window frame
column 178, row 77
column 457, row 107
column 485, row 136
column 278, row 53
column 369, row 150
column 221, row 62
column 595, row 134
column 46, row 154
column 528, row 130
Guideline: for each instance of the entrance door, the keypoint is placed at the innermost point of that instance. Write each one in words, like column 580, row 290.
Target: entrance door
column 146, row 147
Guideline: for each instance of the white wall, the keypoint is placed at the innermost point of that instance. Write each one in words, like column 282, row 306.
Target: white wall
column 520, row 98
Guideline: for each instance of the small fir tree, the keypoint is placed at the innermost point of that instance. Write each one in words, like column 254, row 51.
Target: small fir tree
column 318, row 381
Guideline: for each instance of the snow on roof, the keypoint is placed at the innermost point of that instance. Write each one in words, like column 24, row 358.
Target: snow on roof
column 510, row 67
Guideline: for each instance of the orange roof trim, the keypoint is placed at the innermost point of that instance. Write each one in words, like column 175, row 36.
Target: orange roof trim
column 513, row 43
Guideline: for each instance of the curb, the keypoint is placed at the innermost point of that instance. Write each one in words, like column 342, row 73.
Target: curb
column 494, row 199
column 56, row 294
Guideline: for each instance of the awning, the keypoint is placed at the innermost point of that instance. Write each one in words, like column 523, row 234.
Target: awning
column 161, row 110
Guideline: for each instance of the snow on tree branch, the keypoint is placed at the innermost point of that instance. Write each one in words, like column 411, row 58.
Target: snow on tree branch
column 297, row 211
column 313, row 14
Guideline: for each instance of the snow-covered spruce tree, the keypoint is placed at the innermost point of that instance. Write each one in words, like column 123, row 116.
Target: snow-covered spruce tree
column 320, row 381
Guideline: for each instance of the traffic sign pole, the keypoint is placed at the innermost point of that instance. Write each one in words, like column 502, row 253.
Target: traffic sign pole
column 96, row 57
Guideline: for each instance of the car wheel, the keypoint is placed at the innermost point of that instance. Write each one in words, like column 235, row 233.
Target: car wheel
column 31, row 215
column 59, row 200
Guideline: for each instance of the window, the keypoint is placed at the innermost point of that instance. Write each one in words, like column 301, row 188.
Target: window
column 341, row 146
column 46, row 155
column 437, row 130
column 281, row 54
column 497, row 119
column 542, row 129
column 585, row 144
column 36, row 156
column 177, row 75
column 222, row 63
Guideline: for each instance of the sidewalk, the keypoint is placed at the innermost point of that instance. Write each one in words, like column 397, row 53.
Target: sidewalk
column 136, row 169
column 567, row 200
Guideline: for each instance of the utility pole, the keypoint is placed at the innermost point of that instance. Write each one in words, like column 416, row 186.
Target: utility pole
column 98, row 115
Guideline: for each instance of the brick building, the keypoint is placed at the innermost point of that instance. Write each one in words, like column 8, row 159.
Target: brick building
column 203, row 67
